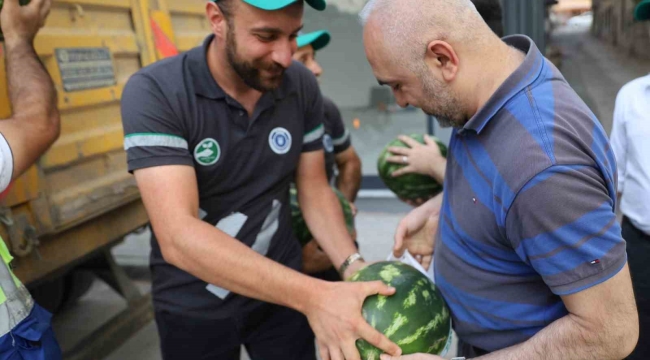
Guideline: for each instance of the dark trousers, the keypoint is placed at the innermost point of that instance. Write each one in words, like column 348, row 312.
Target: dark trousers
column 268, row 333
column 638, row 257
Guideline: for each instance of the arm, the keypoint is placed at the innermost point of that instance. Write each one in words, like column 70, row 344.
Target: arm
column 34, row 125
column 602, row 324
column 349, row 179
column 322, row 210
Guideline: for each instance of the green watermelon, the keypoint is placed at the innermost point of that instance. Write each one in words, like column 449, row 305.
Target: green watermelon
column 300, row 228
column 409, row 186
column 21, row 2
column 416, row 317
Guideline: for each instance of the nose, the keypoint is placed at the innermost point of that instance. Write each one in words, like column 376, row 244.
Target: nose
column 283, row 52
column 400, row 99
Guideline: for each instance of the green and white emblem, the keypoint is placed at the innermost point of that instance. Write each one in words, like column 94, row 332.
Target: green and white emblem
column 207, row 152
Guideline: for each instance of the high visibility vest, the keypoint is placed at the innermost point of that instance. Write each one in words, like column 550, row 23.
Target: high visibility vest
column 15, row 301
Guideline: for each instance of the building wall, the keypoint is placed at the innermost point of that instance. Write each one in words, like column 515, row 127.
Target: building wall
column 614, row 22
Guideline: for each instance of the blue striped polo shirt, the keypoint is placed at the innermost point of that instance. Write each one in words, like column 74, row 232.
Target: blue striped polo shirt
column 529, row 208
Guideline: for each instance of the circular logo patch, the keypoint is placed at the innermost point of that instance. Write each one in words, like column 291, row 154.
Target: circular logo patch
column 280, row 140
column 327, row 143
column 207, row 152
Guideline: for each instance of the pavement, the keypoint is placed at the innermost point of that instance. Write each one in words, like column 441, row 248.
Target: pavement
column 595, row 70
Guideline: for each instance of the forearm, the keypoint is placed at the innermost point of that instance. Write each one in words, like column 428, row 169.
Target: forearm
column 31, row 90
column 324, row 217
column 211, row 255
column 566, row 338
column 349, row 180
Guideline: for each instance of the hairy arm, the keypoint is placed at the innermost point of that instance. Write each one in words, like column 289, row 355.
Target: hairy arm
column 349, row 179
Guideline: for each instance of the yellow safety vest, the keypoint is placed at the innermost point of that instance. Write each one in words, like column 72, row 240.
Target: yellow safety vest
column 15, row 301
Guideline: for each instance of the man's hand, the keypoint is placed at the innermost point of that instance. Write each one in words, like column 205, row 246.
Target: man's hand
column 411, row 357
column 335, row 316
column 416, row 232
column 422, row 159
column 21, row 23
column 314, row 260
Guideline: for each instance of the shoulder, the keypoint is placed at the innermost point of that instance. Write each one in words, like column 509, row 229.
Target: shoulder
column 161, row 73
column 302, row 79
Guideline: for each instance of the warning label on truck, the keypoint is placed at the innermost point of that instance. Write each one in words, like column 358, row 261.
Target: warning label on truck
column 85, row 68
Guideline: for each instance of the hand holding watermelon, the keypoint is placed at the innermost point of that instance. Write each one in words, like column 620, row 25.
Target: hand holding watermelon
column 336, row 319
column 424, row 159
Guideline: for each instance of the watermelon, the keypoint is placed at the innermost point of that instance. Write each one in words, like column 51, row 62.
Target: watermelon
column 21, row 2
column 300, row 228
column 416, row 317
column 409, row 186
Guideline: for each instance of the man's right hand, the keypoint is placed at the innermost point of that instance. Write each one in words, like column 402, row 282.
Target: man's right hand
column 335, row 317
column 417, row 231
column 21, row 23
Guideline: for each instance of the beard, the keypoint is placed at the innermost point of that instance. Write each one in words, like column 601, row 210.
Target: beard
column 251, row 71
column 441, row 103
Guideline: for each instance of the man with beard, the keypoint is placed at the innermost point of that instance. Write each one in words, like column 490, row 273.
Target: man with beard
column 214, row 137
column 528, row 254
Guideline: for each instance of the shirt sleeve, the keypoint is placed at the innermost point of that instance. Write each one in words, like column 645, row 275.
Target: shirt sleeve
column 340, row 135
column 314, row 115
column 563, row 224
column 153, row 133
column 618, row 139
column 6, row 164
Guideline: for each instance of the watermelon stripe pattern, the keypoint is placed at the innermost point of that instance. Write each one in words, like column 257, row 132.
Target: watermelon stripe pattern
column 416, row 317
column 409, row 186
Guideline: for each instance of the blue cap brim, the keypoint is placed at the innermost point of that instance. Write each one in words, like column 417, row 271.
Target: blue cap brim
column 279, row 4
column 317, row 39
column 642, row 11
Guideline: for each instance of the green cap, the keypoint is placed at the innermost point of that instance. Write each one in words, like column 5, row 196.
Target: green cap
column 279, row 4
column 642, row 11
column 317, row 39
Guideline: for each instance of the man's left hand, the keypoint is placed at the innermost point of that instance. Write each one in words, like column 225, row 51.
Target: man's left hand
column 411, row 357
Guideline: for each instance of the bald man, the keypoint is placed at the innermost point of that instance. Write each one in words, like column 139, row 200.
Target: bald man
column 528, row 253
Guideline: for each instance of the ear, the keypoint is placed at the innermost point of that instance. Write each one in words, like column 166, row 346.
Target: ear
column 441, row 58
column 218, row 22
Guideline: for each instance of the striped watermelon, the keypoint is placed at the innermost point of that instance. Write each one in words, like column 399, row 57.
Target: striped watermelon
column 300, row 228
column 409, row 186
column 416, row 318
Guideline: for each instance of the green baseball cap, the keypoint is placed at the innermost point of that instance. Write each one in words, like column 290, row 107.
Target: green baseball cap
column 642, row 11
column 317, row 39
column 279, row 4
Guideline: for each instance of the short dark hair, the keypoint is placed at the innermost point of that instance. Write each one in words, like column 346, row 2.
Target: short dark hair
column 492, row 13
column 226, row 7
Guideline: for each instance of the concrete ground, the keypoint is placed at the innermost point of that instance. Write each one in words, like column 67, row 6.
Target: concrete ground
column 595, row 70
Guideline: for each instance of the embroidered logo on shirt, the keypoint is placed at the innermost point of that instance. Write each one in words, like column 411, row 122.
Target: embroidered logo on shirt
column 280, row 140
column 328, row 144
column 207, row 152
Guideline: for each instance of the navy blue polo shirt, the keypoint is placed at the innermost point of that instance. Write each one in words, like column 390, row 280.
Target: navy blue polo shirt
column 528, row 210
column 336, row 139
column 174, row 113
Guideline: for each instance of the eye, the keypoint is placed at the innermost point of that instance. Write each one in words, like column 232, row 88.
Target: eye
column 396, row 87
column 265, row 38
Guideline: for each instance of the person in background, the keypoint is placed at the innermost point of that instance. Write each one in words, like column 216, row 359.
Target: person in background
column 630, row 141
column 342, row 162
column 25, row 329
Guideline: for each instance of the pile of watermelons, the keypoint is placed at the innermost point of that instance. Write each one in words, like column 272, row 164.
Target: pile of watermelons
column 300, row 228
column 21, row 2
column 409, row 186
column 416, row 317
